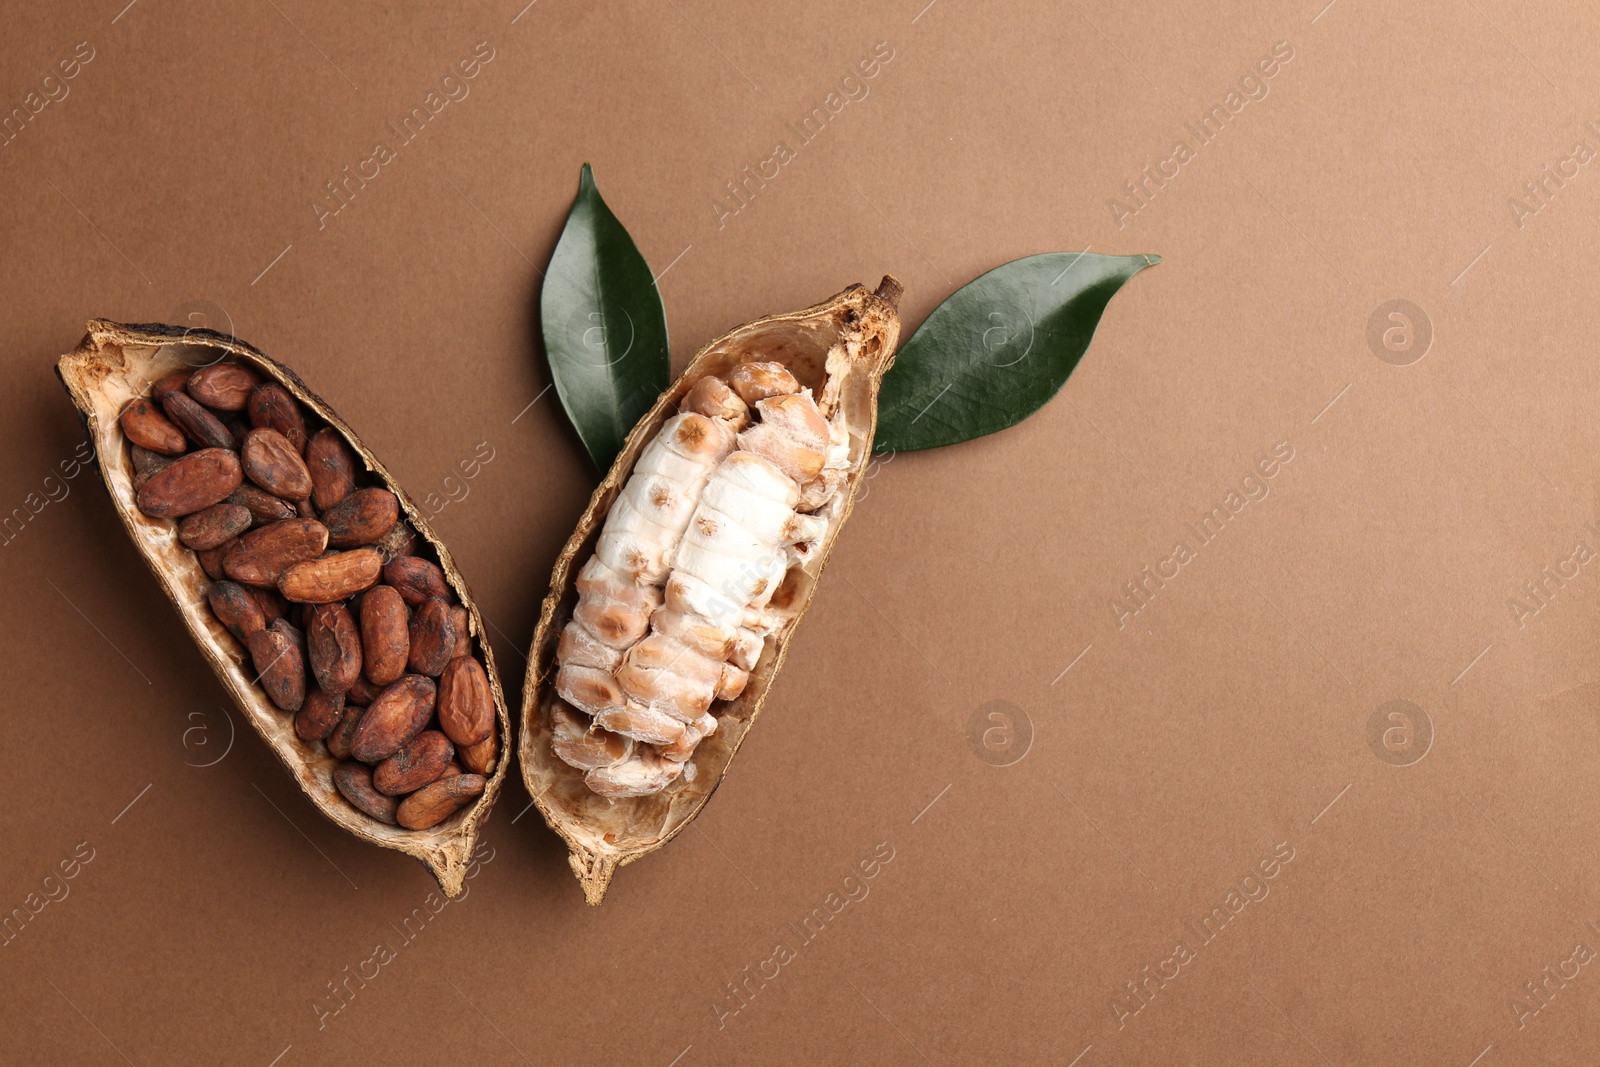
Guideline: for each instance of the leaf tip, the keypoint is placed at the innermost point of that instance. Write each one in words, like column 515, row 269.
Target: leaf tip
column 586, row 177
column 1150, row 259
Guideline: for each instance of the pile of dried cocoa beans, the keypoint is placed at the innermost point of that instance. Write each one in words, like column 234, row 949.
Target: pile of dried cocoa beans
column 349, row 628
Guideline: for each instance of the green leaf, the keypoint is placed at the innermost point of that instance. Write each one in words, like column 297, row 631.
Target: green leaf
column 604, row 327
column 997, row 349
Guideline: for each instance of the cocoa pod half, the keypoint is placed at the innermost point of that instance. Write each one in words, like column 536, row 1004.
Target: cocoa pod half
column 840, row 349
column 116, row 365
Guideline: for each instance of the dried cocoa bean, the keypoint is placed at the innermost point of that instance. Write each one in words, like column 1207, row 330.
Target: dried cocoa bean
column 271, row 407
column 433, row 804
column 334, row 577
column 145, row 426
column 197, row 424
column 172, row 383
column 360, row 518
column 273, row 463
column 263, row 506
column 334, row 647
column 433, row 637
column 262, row 556
column 385, row 635
column 273, row 606
column 215, row 525
column 319, row 715
column 466, row 704
column 236, row 609
column 223, row 386
column 463, row 623
column 481, row 757
column 146, row 463
column 398, row 715
column 211, row 560
column 400, row 540
column 192, row 483
column 363, row 692
column 415, row 764
column 354, row 782
column 416, row 579
column 280, row 664
column 338, row 742
column 332, row 466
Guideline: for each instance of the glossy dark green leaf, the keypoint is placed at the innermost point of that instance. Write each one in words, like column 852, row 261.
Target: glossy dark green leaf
column 604, row 328
column 997, row 349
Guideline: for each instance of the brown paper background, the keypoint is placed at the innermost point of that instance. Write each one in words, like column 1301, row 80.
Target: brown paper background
column 1231, row 714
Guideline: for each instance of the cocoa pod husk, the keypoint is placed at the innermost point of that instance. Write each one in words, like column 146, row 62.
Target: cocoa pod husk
column 399, row 713
column 280, row 664
column 416, row 579
column 271, row 407
column 198, row 425
column 333, row 645
column 332, row 469
column 333, row 577
column 144, row 423
column 273, row 463
column 433, row 638
column 433, row 804
column 360, row 518
column 190, row 484
column 216, row 525
column 385, row 634
column 466, row 705
column 116, row 364
column 263, row 555
column 319, row 715
column 236, row 609
column 354, row 782
column 262, row 505
column 414, row 764
column 223, row 386
column 840, row 348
